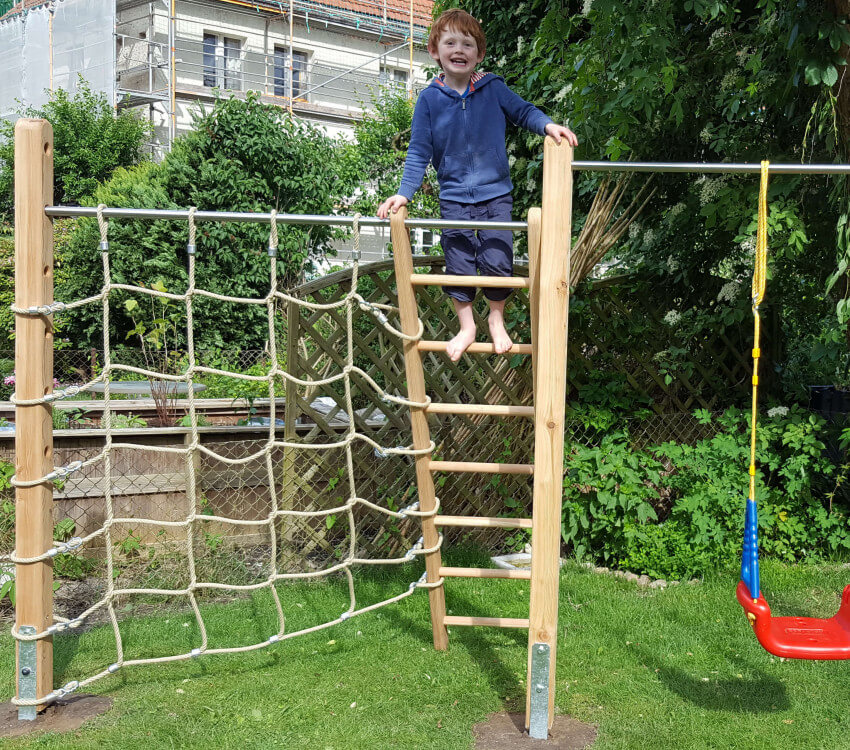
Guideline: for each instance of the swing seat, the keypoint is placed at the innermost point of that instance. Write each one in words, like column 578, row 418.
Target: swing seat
column 799, row 637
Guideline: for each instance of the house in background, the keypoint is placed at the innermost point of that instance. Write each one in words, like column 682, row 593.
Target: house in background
column 323, row 61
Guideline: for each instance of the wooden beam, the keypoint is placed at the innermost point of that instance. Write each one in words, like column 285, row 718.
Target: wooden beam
column 492, row 410
column 34, row 379
column 409, row 316
column 517, row 574
column 483, row 522
column 479, row 467
column 549, row 399
column 490, row 282
column 493, row 622
column 473, row 348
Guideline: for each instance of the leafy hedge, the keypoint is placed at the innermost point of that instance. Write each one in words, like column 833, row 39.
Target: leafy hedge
column 676, row 510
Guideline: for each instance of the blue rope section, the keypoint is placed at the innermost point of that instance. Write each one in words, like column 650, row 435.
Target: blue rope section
column 750, row 557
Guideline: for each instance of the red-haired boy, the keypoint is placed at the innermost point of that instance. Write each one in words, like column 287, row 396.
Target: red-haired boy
column 459, row 125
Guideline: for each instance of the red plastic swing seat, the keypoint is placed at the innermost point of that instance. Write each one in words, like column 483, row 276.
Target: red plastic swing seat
column 799, row 637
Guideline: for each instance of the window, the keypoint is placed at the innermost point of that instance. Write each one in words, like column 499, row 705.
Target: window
column 281, row 72
column 394, row 78
column 222, row 62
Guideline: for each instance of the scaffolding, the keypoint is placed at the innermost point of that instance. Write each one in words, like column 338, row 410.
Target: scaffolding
column 153, row 54
column 159, row 66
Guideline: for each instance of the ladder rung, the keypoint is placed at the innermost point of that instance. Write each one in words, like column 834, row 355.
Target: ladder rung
column 498, row 282
column 474, row 348
column 496, row 622
column 493, row 410
column 481, row 468
column 483, row 522
column 524, row 575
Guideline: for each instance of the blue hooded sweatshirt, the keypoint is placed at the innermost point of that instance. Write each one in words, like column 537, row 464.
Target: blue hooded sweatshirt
column 464, row 137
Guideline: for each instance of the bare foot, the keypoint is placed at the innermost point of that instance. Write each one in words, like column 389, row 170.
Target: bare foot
column 499, row 334
column 460, row 343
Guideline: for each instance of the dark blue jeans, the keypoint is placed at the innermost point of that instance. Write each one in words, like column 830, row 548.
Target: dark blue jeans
column 488, row 252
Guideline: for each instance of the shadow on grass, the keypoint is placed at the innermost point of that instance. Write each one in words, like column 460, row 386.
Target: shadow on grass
column 756, row 694
column 477, row 641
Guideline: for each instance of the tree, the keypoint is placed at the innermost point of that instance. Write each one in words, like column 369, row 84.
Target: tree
column 241, row 156
column 699, row 80
column 376, row 158
column 90, row 141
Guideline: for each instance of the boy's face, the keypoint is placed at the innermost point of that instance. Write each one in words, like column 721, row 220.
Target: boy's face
column 457, row 53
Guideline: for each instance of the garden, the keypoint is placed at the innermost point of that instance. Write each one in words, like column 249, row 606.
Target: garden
column 657, row 432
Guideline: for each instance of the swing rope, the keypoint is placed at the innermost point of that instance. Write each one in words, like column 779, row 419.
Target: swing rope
column 750, row 559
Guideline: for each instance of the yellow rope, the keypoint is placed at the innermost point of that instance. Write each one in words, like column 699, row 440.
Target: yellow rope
column 759, row 278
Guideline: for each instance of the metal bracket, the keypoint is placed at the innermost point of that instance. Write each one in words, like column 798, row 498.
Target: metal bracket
column 26, row 673
column 538, row 716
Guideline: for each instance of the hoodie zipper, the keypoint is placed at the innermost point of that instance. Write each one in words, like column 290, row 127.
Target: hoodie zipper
column 469, row 156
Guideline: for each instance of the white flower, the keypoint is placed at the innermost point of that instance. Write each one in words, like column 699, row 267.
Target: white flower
column 530, row 185
column 519, row 42
column 777, row 411
column 675, row 211
column 648, row 238
column 563, row 92
column 501, row 62
column 634, row 230
column 511, row 147
column 585, row 8
column 710, row 190
column 672, row 264
column 729, row 291
column 672, row 317
column 511, row 160
column 748, row 245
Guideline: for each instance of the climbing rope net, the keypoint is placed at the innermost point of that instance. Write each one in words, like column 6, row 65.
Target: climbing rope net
column 193, row 447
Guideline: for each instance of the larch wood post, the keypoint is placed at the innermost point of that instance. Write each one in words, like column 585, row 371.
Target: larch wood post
column 34, row 379
column 409, row 314
column 550, row 384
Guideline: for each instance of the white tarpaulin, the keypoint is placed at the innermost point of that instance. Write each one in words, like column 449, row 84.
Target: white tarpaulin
column 82, row 44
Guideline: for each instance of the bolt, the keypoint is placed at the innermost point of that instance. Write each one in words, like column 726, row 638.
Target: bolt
column 25, row 671
column 541, row 649
column 539, row 688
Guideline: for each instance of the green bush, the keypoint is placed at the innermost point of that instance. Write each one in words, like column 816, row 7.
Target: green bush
column 612, row 493
column 241, row 156
column 607, row 489
column 793, row 476
column 89, row 142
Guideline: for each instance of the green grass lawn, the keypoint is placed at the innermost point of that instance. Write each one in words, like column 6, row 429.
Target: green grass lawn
column 678, row 668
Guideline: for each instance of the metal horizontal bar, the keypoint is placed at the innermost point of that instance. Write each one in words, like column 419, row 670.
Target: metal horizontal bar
column 703, row 168
column 265, row 218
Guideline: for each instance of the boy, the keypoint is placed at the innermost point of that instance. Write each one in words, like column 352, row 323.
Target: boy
column 459, row 124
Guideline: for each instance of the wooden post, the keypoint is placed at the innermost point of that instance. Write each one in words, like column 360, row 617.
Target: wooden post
column 409, row 314
column 549, row 401
column 34, row 379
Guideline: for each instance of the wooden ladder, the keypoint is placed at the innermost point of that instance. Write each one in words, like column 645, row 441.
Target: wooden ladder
column 548, row 285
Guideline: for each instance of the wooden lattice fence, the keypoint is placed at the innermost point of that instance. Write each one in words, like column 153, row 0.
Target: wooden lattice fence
column 619, row 343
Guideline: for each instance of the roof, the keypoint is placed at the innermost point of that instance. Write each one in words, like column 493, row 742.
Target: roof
column 393, row 10
column 15, row 7
column 377, row 13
